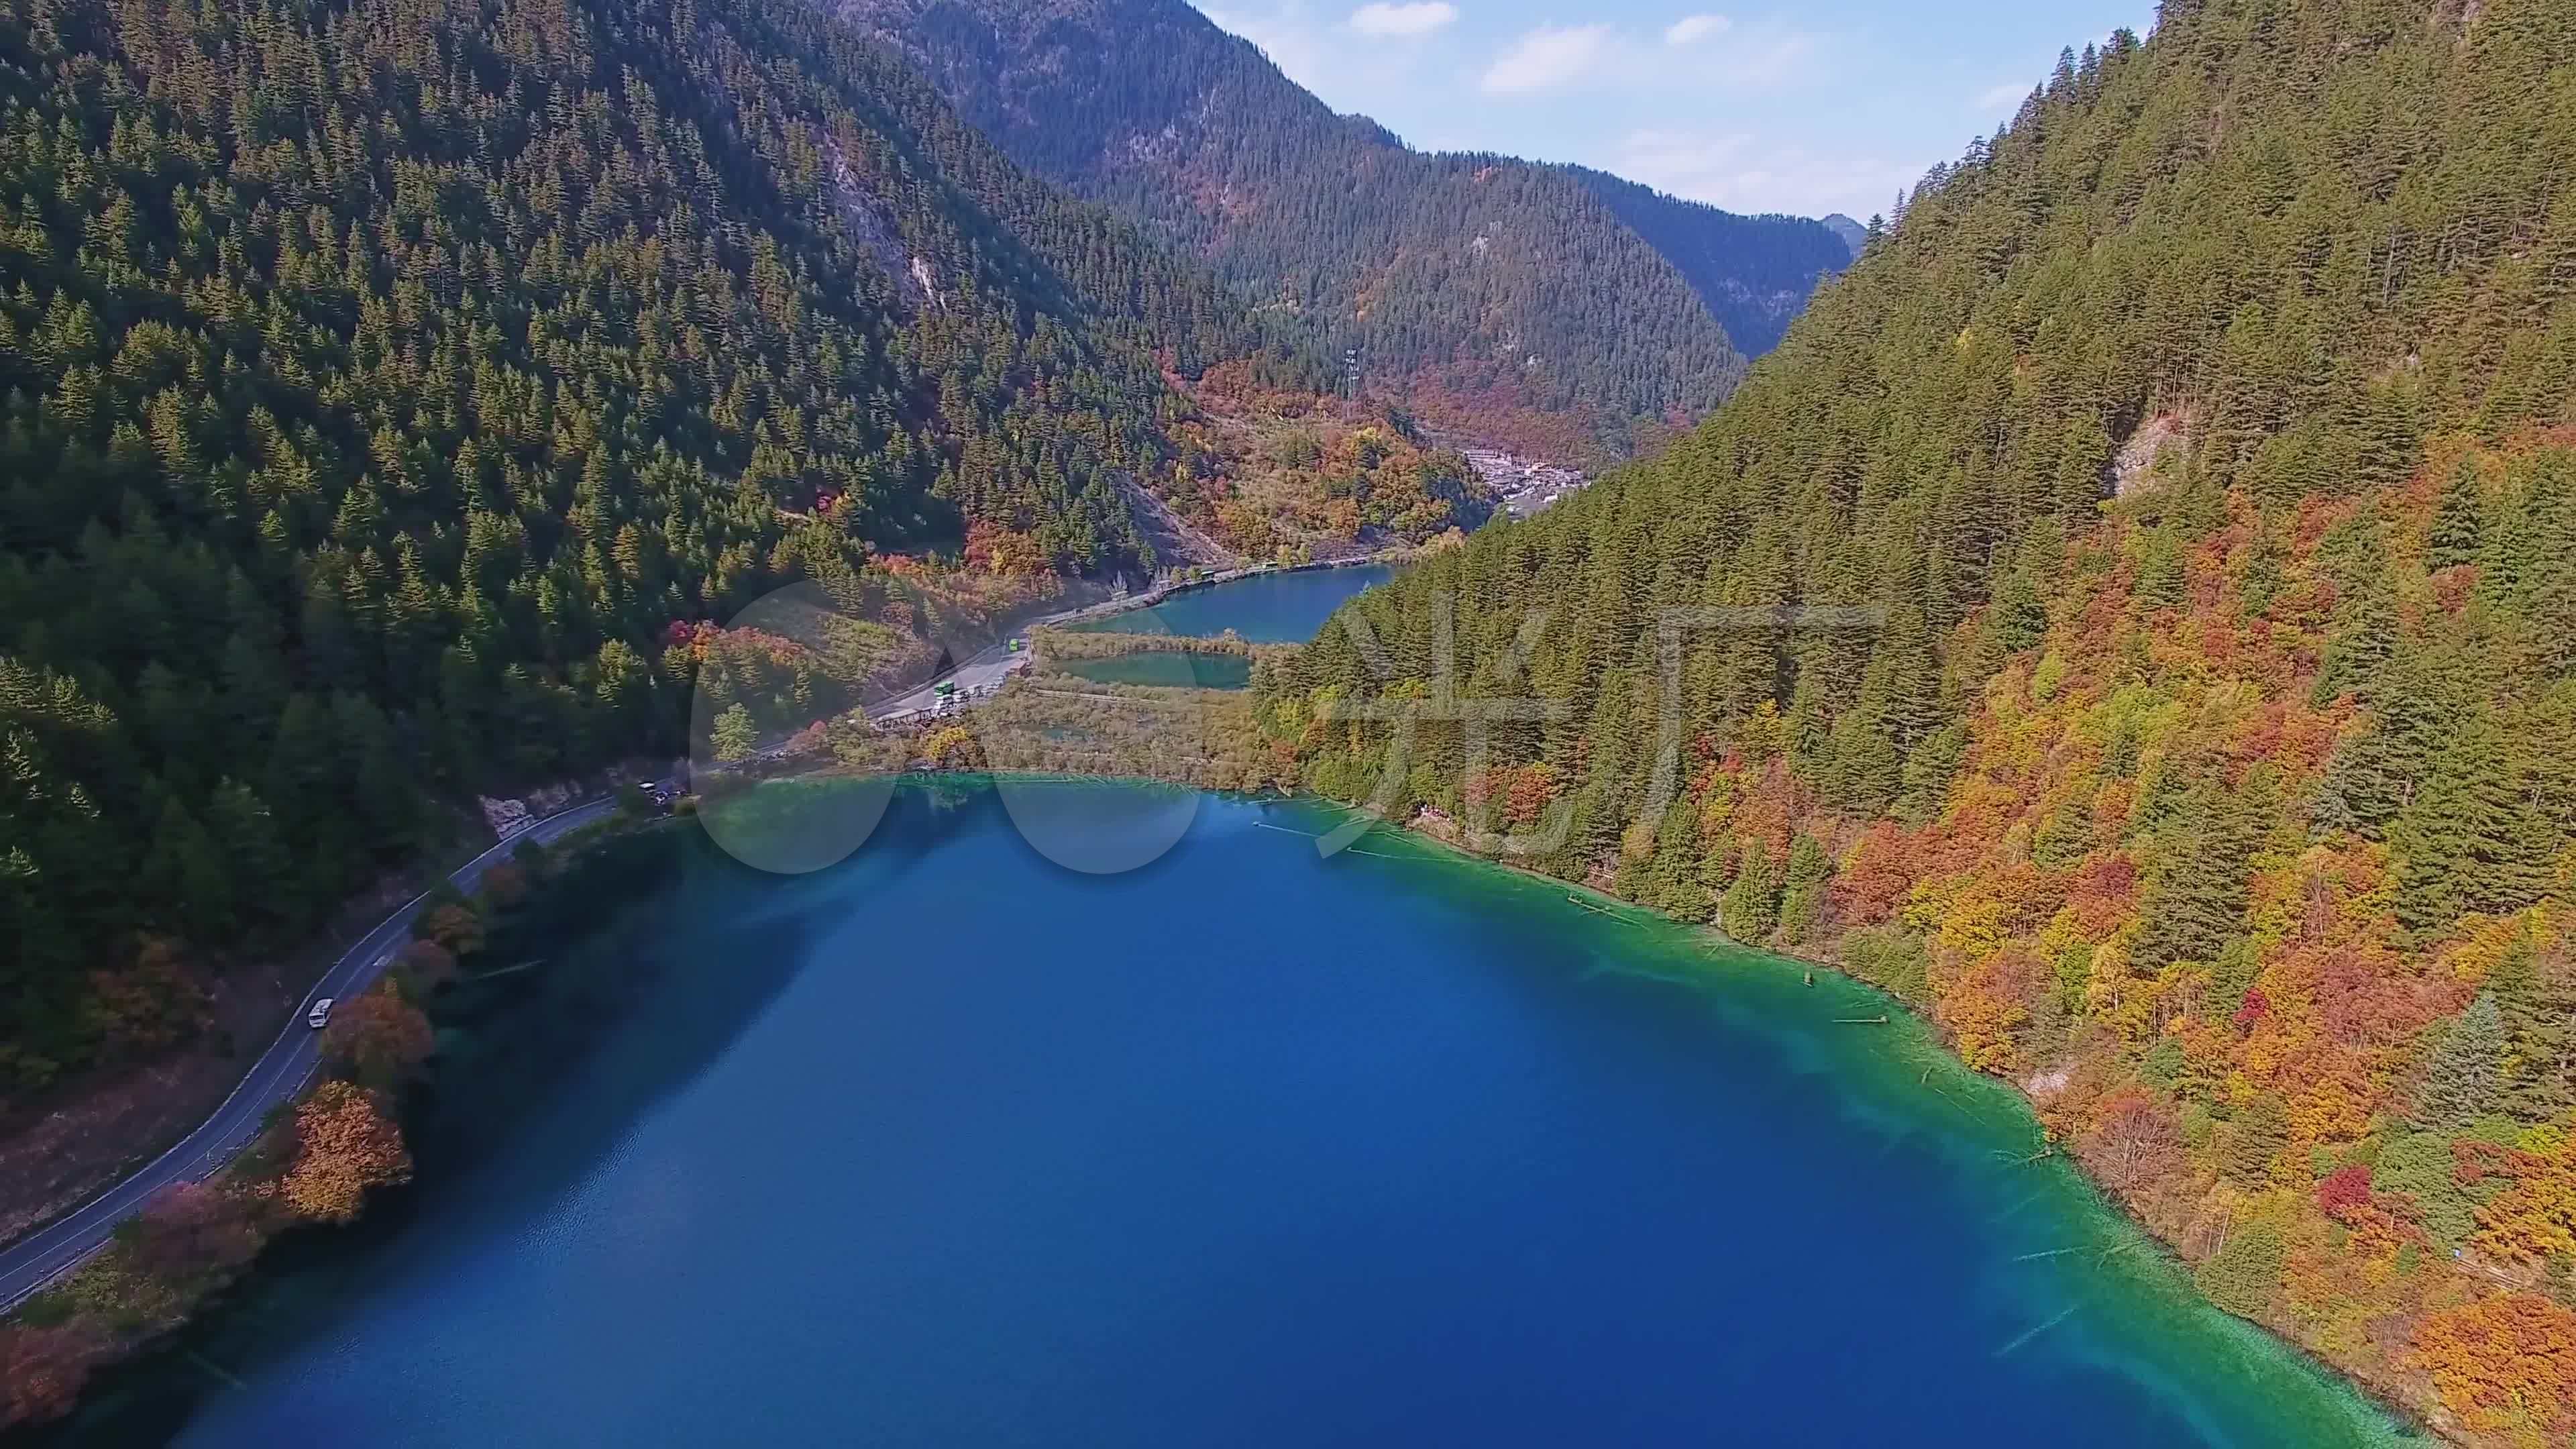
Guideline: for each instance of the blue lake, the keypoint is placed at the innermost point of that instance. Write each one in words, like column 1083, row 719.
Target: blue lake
column 1275, row 608
column 949, row 1145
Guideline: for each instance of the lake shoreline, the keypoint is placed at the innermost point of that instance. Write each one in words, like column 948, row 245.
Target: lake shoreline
column 2141, row 1321
column 1447, row 853
column 213, row 1290
column 2382, row 1397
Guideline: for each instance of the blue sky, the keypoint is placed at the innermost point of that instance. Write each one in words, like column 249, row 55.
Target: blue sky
column 1835, row 105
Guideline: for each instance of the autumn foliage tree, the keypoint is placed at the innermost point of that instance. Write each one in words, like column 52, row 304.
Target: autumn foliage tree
column 2502, row 1361
column 453, row 926
column 345, row 1146
column 42, row 1369
column 149, row 1003
column 953, row 747
column 424, row 967
column 193, row 1232
column 505, row 884
column 380, row 1038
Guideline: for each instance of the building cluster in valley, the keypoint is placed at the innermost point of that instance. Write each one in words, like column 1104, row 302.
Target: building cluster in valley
column 1522, row 487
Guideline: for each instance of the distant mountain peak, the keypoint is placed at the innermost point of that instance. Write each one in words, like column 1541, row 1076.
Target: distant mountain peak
column 1150, row 108
column 1855, row 236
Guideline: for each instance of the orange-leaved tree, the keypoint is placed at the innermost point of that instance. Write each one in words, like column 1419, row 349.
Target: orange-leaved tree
column 345, row 1145
column 42, row 1369
column 382, row 1038
column 2502, row 1360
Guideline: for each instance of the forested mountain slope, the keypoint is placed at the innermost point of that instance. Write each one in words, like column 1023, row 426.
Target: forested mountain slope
column 2185, row 489
column 1479, row 288
column 1754, row 272
column 384, row 384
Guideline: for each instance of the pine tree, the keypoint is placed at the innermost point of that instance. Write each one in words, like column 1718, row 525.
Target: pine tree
column 255, row 854
column 2538, row 1003
column 2258, row 1135
column 2364, row 639
column 2463, row 1080
column 2063, row 838
column 2472, row 839
column 1802, row 900
column 1928, row 772
column 734, row 736
column 1751, row 907
column 2459, row 519
column 2195, row 899
column 184, row 870
column 1673, row 883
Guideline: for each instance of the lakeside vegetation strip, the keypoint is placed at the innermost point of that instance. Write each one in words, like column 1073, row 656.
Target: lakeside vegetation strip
column 314, row 1161
column 2167, row 1274
column 1981, row 1116
column 1074, row 644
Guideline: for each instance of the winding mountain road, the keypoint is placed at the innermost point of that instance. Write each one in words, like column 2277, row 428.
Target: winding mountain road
column 46, row 1254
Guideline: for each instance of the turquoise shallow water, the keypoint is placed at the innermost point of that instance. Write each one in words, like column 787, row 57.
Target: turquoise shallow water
column 947, row 1144
column 1170, row 669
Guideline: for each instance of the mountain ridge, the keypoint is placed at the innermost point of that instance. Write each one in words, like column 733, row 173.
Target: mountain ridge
column 1755, row 272
column 1446, row 272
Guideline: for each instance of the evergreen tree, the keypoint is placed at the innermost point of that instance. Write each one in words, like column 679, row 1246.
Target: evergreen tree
column 734, row 737
column 2364, row 639
column 2459, row 519
column 2463, row 1080
column 184, row 870
column 2537, row 1002
column 2257, row 1136
column 1751, row 906
column 257, row 857
column 1802, row 898
column 2064, row 837
column 2471, row 840
column 2195, row 898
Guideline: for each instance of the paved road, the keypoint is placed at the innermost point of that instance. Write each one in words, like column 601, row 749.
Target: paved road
column 281, row 1071
column 984, row 673
column 977, row 676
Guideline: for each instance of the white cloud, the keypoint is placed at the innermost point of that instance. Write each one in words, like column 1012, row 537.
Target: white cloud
column 1771, row 55
column 1684, row 163
column 1741, row 172
column 1548, row 58
column 1996, row 98
column 1311, row 41
column 1692, row 29
column 1419, row 18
